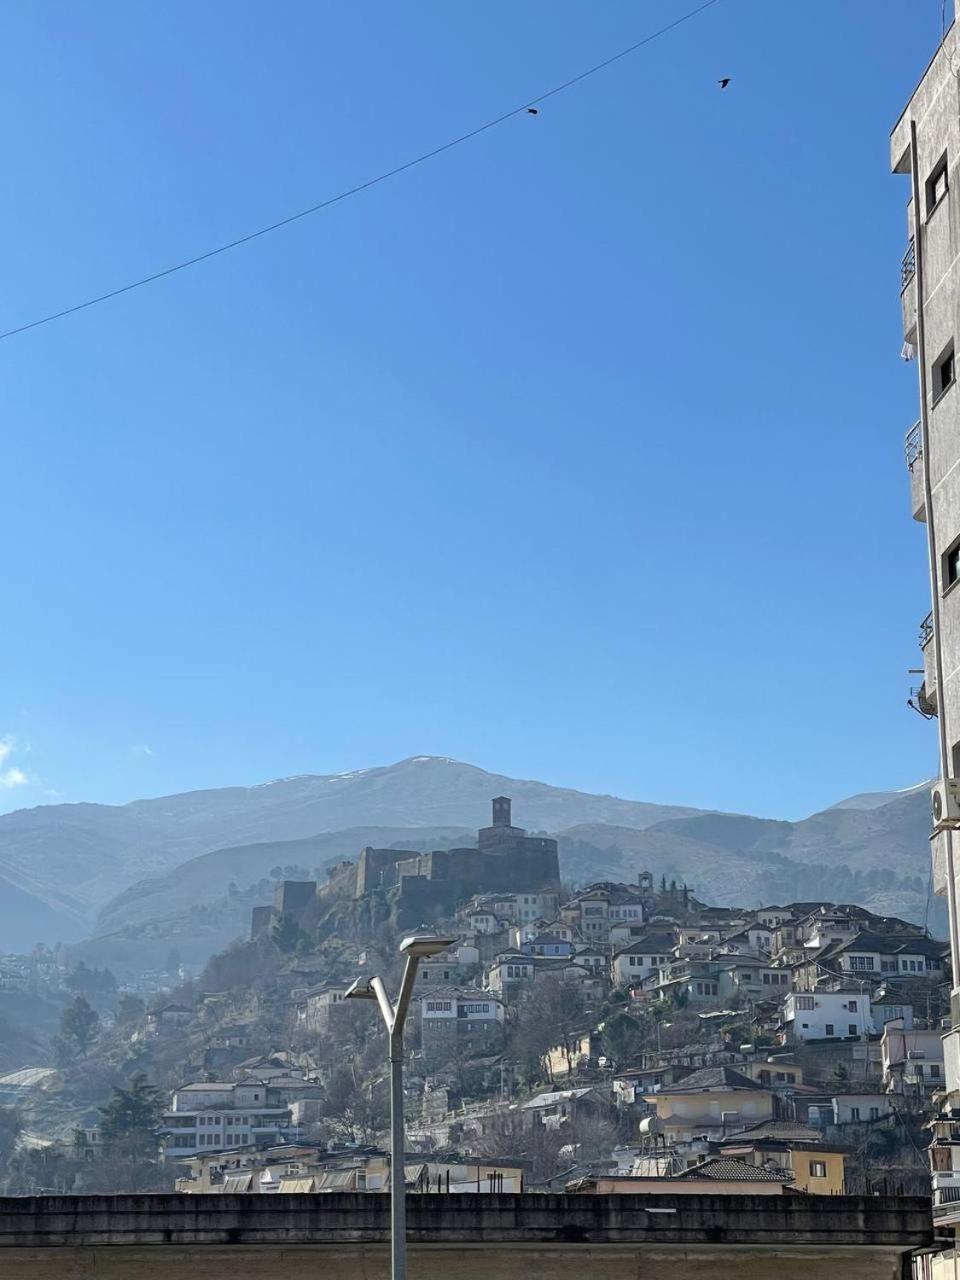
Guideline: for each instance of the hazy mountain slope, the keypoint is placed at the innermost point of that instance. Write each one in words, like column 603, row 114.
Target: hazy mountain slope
column 205, row 878
column 206, row 903
column 894, row 835
column 874, row 799
column 99, row 850
column 25, row 919
column 878, row 857
column 152, row 861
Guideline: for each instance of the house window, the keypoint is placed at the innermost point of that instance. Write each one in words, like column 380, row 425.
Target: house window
column 818, row 1169
column 851, row 1029
column 828, row 1029
column 852, row 1006
column 937, row 184
column 805, row 1002
column 860, row 962
column 934, row 1071
column 874, row 1113
column 854, row 1113
column 944, row 372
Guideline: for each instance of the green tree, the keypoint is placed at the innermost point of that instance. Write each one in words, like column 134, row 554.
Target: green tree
column 130, row 1011
column 131, row 1121
column 80, row 1022
column 288, row 936
column 621, row 1036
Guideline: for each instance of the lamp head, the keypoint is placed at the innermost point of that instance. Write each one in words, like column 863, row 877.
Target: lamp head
column 423, row 944
column 360, row 990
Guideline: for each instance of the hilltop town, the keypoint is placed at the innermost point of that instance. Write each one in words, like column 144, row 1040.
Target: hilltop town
column 611, row 1036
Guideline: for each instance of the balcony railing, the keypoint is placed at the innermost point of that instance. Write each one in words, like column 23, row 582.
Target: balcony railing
column 908, row 265
column 926, row 631
column 946, row 1195
column 913, row 445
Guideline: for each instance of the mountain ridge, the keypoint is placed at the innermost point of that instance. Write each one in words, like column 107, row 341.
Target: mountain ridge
column 133, row 865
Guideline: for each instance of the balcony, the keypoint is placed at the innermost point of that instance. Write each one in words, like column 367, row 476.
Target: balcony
column 908, row 295
column 946, row 1194
column 908, row 264
column 929, row 665
column 913, row 452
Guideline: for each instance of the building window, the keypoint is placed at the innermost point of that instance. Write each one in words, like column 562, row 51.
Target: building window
column 874, row 1113
column 805, row 1002
column 944, row 372
column 828, row 1029
column 934, row 1071
column 950, row 566
column 852, row 1006
column 818, row 1169
column 937, row 184
column 851, row 1029
column 854, row 1113
column 861, row 962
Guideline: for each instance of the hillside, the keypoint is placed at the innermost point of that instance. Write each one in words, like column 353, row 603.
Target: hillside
column 101, row 850
column 877, row 856
column 189, row 866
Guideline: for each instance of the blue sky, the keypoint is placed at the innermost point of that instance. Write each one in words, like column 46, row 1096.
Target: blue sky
column 575, row 453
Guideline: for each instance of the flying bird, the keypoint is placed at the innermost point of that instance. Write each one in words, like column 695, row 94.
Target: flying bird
column 724, row 82
column 532, row 111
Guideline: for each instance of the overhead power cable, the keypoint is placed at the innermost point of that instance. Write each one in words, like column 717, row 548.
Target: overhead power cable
column 363, row 186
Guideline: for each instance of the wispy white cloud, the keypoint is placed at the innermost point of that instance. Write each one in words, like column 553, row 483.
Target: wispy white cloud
column 11, row 776
column 143, row 750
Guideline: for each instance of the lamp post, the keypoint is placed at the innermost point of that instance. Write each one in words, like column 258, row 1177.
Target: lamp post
column 417, row 947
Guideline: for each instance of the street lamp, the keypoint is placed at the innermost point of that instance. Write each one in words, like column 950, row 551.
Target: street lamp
column 418, row 946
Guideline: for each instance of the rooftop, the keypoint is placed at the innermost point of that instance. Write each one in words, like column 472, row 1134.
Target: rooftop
column 730, row 1169
column 709, row 1079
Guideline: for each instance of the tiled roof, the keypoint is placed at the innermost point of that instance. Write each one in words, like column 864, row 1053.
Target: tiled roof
column 728, row 1169
column 709, row 1078
column 779, row 1130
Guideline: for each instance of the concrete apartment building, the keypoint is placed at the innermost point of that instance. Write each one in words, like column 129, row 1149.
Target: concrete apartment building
column 459, row 1022
column 221, row 1114
column 925, row 148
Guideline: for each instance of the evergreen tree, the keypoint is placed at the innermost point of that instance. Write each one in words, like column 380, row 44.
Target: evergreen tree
column 80, row 1022
column 131, row 1121
column 130, row 1010
column 621, row 1036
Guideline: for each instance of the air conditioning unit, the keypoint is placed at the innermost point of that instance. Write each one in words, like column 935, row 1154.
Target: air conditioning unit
column 945, row 800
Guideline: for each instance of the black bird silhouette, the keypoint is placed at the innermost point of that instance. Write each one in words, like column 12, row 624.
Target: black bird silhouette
column 532, row 111
column 724, row 82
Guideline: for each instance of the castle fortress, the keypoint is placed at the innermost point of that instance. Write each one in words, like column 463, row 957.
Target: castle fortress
column 505, row 858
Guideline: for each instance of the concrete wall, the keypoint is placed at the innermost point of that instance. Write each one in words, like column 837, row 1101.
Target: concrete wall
column 182, row 1237
column 934, row 110
column 105, row 1221
column 471, row 1262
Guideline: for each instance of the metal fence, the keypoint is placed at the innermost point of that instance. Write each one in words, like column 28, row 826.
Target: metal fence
column 908, row 265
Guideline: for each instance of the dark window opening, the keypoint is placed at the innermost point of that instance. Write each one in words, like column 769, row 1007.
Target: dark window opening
column 944, row 372
column 951, row 564
column 937, row 184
